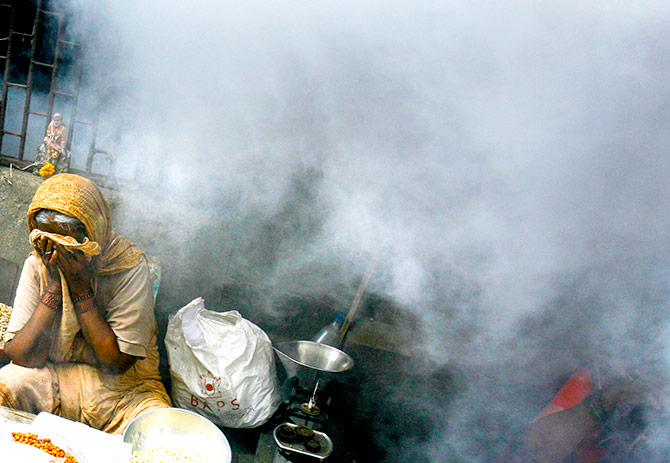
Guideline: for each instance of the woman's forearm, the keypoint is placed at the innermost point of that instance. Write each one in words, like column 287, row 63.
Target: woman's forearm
column 101, row 339
column 30, row 346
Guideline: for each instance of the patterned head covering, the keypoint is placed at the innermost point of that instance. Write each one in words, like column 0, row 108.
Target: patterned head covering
column 79, row 197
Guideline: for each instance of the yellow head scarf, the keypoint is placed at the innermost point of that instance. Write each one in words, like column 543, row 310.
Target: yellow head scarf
column 80, row 198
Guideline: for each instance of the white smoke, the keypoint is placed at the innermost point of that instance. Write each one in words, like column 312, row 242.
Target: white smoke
column 493, row 158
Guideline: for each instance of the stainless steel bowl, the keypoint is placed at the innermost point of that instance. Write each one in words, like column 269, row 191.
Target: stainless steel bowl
column 309, row 361
column 178, row 429
column 314, row 355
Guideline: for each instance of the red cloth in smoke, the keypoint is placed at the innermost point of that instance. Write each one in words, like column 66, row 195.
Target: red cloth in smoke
column 576, row 389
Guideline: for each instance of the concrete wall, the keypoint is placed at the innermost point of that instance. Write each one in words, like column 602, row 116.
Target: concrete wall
column 15, row 195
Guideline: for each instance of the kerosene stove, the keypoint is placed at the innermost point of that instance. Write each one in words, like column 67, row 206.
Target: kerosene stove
column 304, row 434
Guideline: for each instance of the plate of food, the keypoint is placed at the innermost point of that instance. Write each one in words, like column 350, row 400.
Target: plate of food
column 167, row 435
column 31, row 444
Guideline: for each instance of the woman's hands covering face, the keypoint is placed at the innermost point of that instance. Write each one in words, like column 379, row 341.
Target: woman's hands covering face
column 75, row 265
column 76, row 268
column 49, row 255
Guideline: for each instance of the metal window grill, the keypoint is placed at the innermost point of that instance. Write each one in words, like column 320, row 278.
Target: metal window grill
column 42, row 67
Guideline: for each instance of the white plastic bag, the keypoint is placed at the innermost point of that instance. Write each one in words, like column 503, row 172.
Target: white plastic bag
column 222, row 366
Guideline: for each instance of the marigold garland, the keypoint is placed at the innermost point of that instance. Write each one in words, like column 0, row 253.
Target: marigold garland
column 47, row 170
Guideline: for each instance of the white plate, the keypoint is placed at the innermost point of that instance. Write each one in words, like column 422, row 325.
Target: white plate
column 8, row 427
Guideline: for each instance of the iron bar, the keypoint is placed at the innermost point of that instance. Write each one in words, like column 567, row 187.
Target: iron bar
column 92, row 149
column 5, row 78
column 75, row 100
column 29, row 83
column 54, row 74
column 12, row 160
column 52, row 13
column 44, row 64
column 79, row 121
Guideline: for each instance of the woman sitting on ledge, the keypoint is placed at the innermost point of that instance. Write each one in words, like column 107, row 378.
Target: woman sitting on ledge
column 82, row 334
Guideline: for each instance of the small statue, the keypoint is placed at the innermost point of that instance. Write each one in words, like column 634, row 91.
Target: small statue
column 52, row 155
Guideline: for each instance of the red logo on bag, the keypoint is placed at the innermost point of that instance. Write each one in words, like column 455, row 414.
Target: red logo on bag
column 210, row 385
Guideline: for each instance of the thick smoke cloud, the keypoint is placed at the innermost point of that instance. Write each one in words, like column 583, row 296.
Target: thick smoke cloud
column 503, row 163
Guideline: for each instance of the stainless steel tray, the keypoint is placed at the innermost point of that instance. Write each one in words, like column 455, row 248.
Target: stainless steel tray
column 299, row 447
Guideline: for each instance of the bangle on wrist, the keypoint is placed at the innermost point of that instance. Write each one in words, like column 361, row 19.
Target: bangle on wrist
column 79, row 297
column 53, row 300
column 84, row 305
